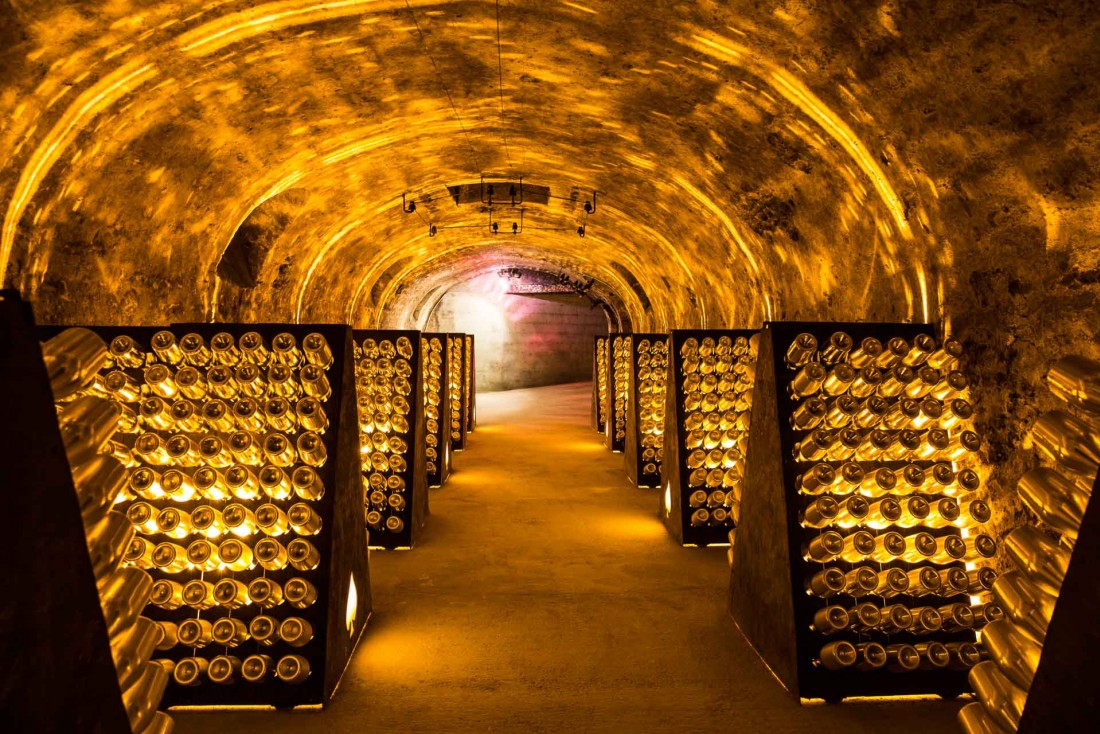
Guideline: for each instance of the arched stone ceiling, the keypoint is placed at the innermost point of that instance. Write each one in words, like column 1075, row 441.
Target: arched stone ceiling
column 741, row 173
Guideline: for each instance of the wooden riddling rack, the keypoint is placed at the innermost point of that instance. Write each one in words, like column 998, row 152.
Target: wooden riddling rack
column 645, row 422
column 389, row 390
column 456, row 391
column 336, row 578
column 685, row 471
column 58, row 672
column 771, row 576
column 600, row 393
column 437, row 436
column 469, row 387
column 618, row 386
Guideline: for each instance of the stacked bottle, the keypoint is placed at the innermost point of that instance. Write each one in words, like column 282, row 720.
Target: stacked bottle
column 431, row 355
column 226, row 442
column 716, row 379
column 603, row 393
column 454, row 389
column 652, row 373
column 384, row 387
column 620, row 366
column 1068, row 443
column 89, row 422
column 468, row 383
column 894, row 557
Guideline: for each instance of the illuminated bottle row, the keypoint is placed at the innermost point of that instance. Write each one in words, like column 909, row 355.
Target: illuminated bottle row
column 88, row 423
column 230, row 669
column 454, row 387
column 1068, row 442
column 603, row 393
column 716, row 394
column 652, row 371
column 226, row 456
column 621, row 347
column 432, row 355
column 384, row 386
column 886, row 486
column 468, row 381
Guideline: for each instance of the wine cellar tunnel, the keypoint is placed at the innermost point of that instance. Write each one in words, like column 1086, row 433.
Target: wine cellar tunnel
column 531, row 175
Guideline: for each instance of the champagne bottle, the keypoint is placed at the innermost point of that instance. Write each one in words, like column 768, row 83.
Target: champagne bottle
column 292, row 669
column 169, row 636
column 954, row 581
column 1076, row 380
column 265, row 593
column 299, row 593
column 303, row 555
column 863, row 616
column 809, row 414
column 123, row 594
column 889, row 547
column 820, row 513
column 923, row 581
column 311, row 449
column 933, row 655
column 956, row 617
column 801, row 350
column 871, row 656
column 194, row 632
column 902, row 658
column 194, row 349
column 1025, row 603
column 892, row 582
column 99, row 482
column 926, row 620
column 981, row 580
column 142, row 698
column 1055, row 499
column 189, row 671
column 818, row 479
column 883, row 512
column 296, row 632
column 166, row 594
column 920, row 547
column 229, row 631
column 1003, row 701
column 242, row 483
column 108, row 542
column 275, row 483
column 203, row 555
column 231, row 593
column 72, row 359
column 808, row 380
column 257, row 668
column 949, row 549
column 837, row 655
column 895, row 618
column 252, row 348
column 270, row 554
column 964, row 655
column 878, row 482
column 900, row 415
column 867, row 382
column 826, row 583
column 191, row 383
column 838, row 380
column 264, row 630
column 235, row 555
column 861, row 581
column 126, row 353
column 1015, row 654
column 830, row 620
column 1067, row 440
column 974, row 720
column 980, row 548
column 87, row 424
column 223, row 349
column 132, row 650
column 224, row 669
column 836, row 348
column 1043, row 562
column 199, row 594
column 895, row 381
column 311, row 415
column 858, row 546
column 986, row 613
column 852, row 511
column 122, row 387
column 865, row 354
column 304, row 519
column 897, row 349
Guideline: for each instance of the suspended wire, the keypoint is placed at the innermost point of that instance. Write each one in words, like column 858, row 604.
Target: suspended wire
column 500, row 90
column 439, row 77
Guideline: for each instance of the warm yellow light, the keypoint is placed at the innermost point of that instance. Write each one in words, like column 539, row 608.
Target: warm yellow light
column 668, row 499
column 353, row 605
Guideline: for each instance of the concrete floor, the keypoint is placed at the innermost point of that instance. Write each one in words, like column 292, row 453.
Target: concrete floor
column 545, row 597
